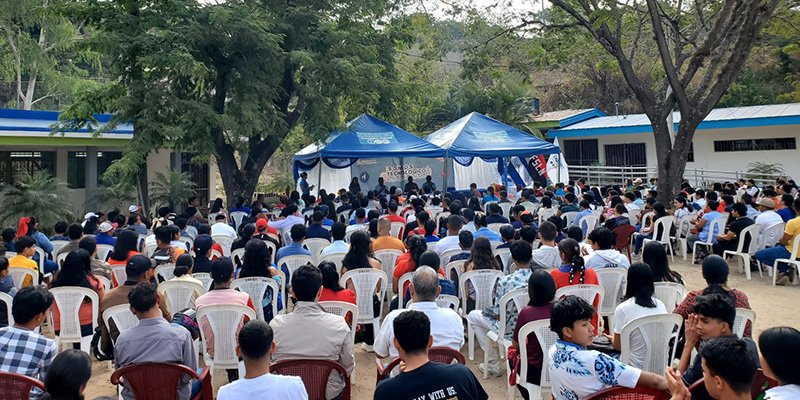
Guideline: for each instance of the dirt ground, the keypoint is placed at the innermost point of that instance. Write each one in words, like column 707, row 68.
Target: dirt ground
column 774, row 306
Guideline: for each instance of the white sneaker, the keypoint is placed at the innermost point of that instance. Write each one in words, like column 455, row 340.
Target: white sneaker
column 494, row 369
column 367, row 348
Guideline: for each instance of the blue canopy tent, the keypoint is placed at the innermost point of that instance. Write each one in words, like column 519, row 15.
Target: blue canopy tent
column 476, row 136
column 364, row 137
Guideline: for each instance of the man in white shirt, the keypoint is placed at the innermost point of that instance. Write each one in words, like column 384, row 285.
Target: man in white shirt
column 361, row 219
column 338, row 245
column 446, row 327
column 700, row 198
column 221, row 227
column 291, row 217
column 547, row 255
column 469, row 216
column 450, row 242
column 768, row 217
column 256, row 347
column 629, row 199
column 604, row 256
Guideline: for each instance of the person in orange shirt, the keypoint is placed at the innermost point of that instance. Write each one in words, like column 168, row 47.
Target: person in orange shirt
column 384, row 240
column 25, row 247
column 573, row 271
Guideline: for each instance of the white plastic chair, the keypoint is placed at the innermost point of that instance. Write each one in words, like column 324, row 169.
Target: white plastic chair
column 237, row 217
column 717, row 227
column 204, row 277
column 447, row 255
column 388, row 259
column 366, row 282
column 180, row 295
column 613, row 282
column 336, row 259
column 256, row 287
column 448, row 301
column 122, row 316
column 590, row 293
column 455, row 266
column 105, row 281
column 69, row 299
column 59, row 259
column 8, row 301
column 103, row 251
column 442, row 216
column 588, row 223
column 743, row 315
column 119, row 274
column 506, row 207
column 569, row 218
column 495, row 244
column 225, row 242
column 519, row 298
column 634, row 216
column 681, row 230
column 496, row 227
column 546, row 213
column 670, row 293
column 165, row 271
column 18, row 275
column 341, row 309
column 661, row 229
column 750, row 233
column 40, row 263
column 656, row 331
column 401, row 283
column 396, row 229
column 315, row 247
column 792, row 260
column 224, row 320
column 292, row 263
column 188, row 243
column 505, row 258
column 546, row 339
column 58, row 245
column 483, row 281
column 149, row 250
column 771, row 235
column 237, row 256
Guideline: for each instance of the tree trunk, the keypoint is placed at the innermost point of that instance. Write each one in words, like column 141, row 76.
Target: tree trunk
column 671, row 163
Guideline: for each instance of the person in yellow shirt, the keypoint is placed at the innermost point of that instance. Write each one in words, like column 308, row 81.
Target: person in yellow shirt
column 25, row 247
column 384, row 240
column 783, row 249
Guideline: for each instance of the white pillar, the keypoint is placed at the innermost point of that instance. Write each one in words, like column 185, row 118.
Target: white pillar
column 91, row 177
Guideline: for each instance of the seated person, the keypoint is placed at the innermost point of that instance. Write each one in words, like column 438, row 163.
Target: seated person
column 256, row 347
column 547, row 255
column 728, row 371
column 385, row 241
column 730, row 239
column 338, row 246
column 577, row 373
column 450, row 242
column 507, row 233
column 26, row 352
column 780, row 350
column 465, row 241
column 603, row 256
column 712, row 317
column 618, row 219
column 494, row 216
column 420, row 376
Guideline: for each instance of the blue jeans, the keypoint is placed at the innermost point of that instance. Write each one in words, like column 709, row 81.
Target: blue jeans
column 639, row 241
column 770, row 254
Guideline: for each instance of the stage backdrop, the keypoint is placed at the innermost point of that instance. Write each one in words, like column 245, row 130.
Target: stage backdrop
column 395, row 171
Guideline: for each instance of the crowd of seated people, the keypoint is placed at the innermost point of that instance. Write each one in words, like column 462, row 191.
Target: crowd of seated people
column 551, row 240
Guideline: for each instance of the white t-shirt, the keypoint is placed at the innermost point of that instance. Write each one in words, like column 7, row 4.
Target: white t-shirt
column 607, row 259
column 766, row 219
column 447, row 243
column 628, row 311
column 221, row 228
column 447, row 328
column 547, row 256
column 265, row 386
column 785, row 392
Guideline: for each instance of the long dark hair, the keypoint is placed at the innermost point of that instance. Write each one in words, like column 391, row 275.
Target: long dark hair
column 571, row 253
column 541, row 288
column 686, row 203
column 640, row 285
column 330, row 278
column 216, row 206
column 127, row 242
column 256, row 258
column 654, row 255
column 416, row 246
column 75, row 271
column 358, row 255
column 715, row 272
column 480, row 256
column 69, row 372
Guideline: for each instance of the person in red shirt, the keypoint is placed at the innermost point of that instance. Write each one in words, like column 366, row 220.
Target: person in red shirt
column 393, row 214
column 573, row 271
column 331, row 290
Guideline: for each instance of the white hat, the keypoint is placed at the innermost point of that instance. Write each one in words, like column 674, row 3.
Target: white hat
column 89, row 215
column 105, row 227
column 133, row 208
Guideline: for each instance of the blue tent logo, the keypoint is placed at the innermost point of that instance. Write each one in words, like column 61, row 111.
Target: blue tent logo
column 376, row 138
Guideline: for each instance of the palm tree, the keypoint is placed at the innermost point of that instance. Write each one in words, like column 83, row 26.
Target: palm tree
column 114, row 196
column 40, row 195
column 171, row 189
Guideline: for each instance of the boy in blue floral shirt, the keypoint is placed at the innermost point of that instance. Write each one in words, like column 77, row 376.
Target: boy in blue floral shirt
column 577, row 373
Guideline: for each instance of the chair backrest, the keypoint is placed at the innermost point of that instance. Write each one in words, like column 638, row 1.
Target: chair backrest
column 315, row 375
column 546, row 213
column 504, row 255
column 336, row 259
column 670, row 293
column 440, row 354
column 396, row 229
column 401, row 283
column 448, row 301
column 122, row 316
column 225, row 242
column 590, row 293
column 662, row 228
column 546, row 339
column 105, row 281
column 634, row 216
column 149, row 249
column 749, row 235
column 342, row 309
column 59, row 259
column 204, row 277
column 388, row 259
column 717, row 228
column 315, row 247
column 59, row 244
column 761, row 383
column 637, row 393
column 292, row 263
column 569, row 218
column 613, row 282
column 223, row 320
column 589, row 222
column 18, row 274
column 505, row 207
column 483, row 281
column 188, row 243
column 152, row 381
column 119, row 274
column 495, row 227
column 447, row 255
column 622, row 236
column 8, row 301
column 771, row 235
column 519, row 298
column 165, row 271
column 237, row 217
column 683, row 226
column 743, row 315
column 17, row 386
column 179, row 295
column 41, row 256
column 257, row 288
column 237, row 256
column 69, row 299
column 656, row 331
column 366, row 281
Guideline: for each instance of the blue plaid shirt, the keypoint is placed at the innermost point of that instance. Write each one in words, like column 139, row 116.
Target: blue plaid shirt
column 25, row 352
column 516, row 280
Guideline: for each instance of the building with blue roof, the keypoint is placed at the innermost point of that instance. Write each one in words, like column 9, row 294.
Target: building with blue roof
column 727, row 140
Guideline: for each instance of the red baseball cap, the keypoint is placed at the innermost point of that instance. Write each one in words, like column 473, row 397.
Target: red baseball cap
column 261, row 224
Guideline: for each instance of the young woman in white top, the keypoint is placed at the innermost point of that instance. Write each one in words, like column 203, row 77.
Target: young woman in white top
column 780, row 350
column 639, row 302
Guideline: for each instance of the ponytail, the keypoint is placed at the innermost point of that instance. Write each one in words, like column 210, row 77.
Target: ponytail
column 572, row 253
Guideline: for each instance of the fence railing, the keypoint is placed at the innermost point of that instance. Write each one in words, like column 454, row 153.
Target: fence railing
column 598, row 175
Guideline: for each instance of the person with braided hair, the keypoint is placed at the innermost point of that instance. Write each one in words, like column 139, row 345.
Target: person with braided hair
column 573, row 271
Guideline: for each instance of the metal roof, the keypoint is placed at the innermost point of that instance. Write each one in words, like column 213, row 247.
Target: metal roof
column 719, row 118
column 562, row 118
column 32, row 123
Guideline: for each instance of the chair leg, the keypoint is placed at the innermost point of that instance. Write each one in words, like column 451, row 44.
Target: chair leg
column 746, row 265
column 671, row 253
column 774, row 272
column 471, row 339
column 486, row 364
